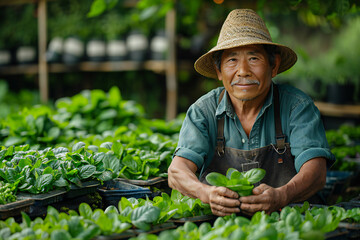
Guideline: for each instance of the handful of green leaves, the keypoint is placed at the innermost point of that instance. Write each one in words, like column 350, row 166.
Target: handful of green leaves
column 240, row 182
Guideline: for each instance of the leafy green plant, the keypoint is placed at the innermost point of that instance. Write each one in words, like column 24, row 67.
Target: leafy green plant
column 7, row 193
column 240, row 182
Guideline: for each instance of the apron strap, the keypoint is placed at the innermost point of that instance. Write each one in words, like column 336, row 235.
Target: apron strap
column 220, row 140
column 280, row 137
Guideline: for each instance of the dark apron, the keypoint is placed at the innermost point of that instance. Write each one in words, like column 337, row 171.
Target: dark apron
column 275, row 159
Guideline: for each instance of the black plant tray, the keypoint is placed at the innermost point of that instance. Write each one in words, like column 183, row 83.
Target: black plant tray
column 144, row 183
column 352, row 228
column 86, row 188
column 15, row 208
column 157, row 228
column 42, row 200
column 195, row 219
column 124, row 235
column 337, row 234
column 155, row 184
column 112, row 192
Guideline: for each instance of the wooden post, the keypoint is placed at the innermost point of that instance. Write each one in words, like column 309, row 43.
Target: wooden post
column 171, row 83
column 43, row 68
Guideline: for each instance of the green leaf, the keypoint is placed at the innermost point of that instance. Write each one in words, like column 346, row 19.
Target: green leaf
column 60, row 235
column 118, row 149
column 106, row 145
column 216, row 179
column 85, row 211
column 86, row 171
column 24, row 162
column 97, row 8
column 255, row 175
column 75, row 226
column 43, row 181
column 78, row 146
column 230, row 171
column 144, row 215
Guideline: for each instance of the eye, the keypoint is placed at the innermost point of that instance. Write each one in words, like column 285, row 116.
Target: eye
column 253, row 58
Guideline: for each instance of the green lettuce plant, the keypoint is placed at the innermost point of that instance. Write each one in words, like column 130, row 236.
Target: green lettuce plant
column 240, row 182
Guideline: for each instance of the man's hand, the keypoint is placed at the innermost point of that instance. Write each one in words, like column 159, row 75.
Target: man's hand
column 310, row 179
column 223, row 201
column 182, row 177
column 264, row 198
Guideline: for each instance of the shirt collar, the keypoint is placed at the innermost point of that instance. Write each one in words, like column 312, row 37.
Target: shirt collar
column 225, row 106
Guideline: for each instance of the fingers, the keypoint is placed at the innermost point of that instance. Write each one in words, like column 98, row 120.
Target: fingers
column 265, row 198
column 260, row 189
column 223, row 201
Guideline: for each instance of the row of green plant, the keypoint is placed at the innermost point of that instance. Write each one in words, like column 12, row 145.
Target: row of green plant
column 7, row 193
column 39, row 171
column 344, row 144
column 90, row 114
column 291, row 223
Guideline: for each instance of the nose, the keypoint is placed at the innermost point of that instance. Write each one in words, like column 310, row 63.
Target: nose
column 243, row 69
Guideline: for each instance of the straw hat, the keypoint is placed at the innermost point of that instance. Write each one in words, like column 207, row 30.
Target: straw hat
column 243, row 27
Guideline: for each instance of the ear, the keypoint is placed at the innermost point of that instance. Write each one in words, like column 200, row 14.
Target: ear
column 276, row 66
column 218, row 72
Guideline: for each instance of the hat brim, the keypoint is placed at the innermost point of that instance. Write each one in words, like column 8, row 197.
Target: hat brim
column 205, row 64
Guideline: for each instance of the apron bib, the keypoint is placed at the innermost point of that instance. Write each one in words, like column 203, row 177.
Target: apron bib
column 275, row 159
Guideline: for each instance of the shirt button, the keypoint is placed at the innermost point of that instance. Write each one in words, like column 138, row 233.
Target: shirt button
column 243, row 140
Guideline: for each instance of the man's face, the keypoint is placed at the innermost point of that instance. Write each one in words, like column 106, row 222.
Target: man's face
column 246, row 72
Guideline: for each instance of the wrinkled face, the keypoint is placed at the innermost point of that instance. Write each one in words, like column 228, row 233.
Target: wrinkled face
column 246, row 72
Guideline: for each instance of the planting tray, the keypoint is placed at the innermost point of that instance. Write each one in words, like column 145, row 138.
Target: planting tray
column 154, row 184
column 196, row 219
column 124, row 235
column 157, row 228
column 144, row 183
column 15, row 208
column 352, row 228
column 87, row 188
column 41, row 201
column 337, row 234
column 112, row 191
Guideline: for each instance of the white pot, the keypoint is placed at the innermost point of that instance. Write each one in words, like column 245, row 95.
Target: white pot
column 74, row 46
column 26, row 54
column 116, row 50
column 158, row 47
column 96, row 49
column 5, row 57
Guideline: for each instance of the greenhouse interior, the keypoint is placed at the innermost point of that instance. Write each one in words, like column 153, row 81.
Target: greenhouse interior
column 87, row 153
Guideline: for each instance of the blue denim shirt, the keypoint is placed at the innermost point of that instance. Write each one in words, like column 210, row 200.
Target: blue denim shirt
column 300, row 118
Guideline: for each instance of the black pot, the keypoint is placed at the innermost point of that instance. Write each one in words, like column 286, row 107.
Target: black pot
column 340, row 93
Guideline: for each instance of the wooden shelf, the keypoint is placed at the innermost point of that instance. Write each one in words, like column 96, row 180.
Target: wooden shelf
column 108, row 66
column 42, row 68
column 336, row 110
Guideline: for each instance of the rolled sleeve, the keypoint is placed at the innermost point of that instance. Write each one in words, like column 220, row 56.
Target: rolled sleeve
column 314, row 153
column 190, row 155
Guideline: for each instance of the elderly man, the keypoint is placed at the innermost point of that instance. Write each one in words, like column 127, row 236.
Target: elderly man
column 250, row 122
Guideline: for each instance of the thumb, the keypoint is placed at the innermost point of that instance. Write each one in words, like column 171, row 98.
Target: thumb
column 260, row 189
